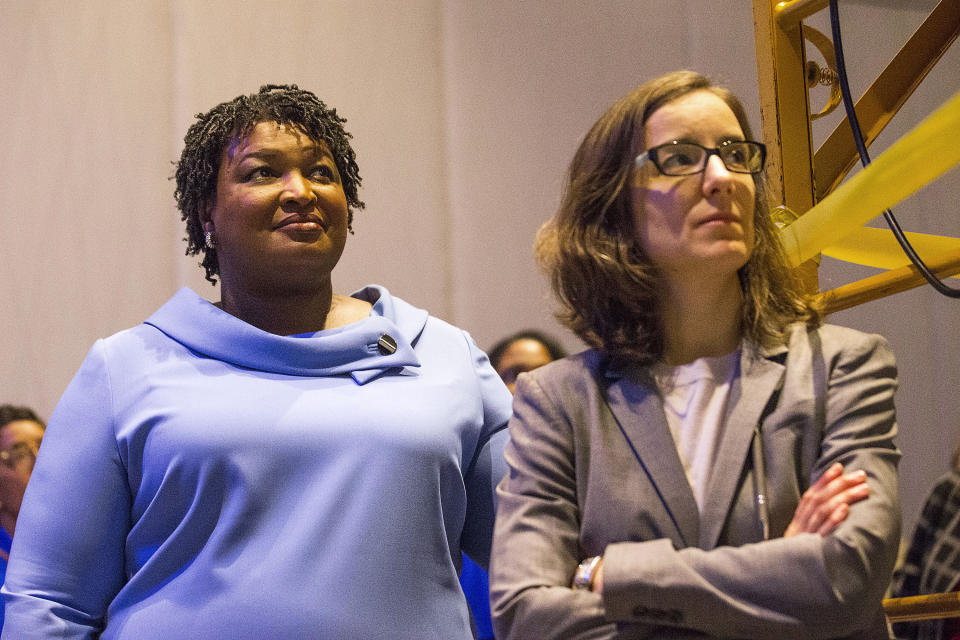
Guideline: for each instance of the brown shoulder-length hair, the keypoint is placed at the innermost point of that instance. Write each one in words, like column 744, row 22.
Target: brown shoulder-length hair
column 607, row 286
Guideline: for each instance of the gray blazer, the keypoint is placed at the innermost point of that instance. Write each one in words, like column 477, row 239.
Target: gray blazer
column 594, row 470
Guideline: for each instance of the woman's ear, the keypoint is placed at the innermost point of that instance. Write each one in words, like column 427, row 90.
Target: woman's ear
column 206, row 223
column 209, row 238
column 205, row 217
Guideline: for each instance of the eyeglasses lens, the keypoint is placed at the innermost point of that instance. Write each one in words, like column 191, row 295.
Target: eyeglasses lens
column 744, row 157
column 679, row 159
column 16, row 454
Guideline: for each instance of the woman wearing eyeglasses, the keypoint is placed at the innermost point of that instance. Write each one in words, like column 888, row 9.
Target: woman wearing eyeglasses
column 718, row 464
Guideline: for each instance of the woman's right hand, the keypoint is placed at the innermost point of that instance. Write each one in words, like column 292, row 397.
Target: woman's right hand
column 827, row 503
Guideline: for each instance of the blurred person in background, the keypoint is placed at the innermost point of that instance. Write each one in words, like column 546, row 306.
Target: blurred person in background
column 21, row 431
column 932, row 563
column 521, row 352
column 517, row 353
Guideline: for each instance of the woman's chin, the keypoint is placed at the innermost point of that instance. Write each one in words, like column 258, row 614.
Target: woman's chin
column 731, row 255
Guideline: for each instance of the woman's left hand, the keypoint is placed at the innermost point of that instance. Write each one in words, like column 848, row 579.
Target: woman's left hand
column 827, row 503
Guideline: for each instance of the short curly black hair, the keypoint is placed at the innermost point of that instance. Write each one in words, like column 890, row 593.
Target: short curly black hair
column 199, row 164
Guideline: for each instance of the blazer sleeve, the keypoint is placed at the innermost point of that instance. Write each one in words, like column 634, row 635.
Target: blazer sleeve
column 801, row 587
column 67, row 561
column 535, row 542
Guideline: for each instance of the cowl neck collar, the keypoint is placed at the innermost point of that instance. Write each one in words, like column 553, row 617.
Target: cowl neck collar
column 351, row 349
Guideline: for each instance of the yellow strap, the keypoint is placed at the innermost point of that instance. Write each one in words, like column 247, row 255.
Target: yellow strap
column 878, row 248
column 919, row 157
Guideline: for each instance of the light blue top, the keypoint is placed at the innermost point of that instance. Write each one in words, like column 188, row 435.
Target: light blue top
column 201, row 478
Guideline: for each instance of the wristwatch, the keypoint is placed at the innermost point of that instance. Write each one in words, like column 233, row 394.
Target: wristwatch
column 586, row 571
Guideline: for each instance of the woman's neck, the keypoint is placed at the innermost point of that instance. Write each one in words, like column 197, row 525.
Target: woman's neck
column 286, row 313
column 701, row 319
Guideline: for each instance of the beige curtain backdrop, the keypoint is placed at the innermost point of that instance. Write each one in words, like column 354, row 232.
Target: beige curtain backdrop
column 464, row 117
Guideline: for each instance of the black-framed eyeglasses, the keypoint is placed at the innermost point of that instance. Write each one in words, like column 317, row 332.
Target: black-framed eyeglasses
column 687, row 158
column 16, row 453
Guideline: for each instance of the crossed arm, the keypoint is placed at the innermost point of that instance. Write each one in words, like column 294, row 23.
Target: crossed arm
column 822, row 508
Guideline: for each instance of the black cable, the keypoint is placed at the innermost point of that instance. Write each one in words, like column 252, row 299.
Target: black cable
column 865, row 159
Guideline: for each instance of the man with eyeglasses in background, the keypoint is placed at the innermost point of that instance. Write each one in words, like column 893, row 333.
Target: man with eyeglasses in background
column 21, row 431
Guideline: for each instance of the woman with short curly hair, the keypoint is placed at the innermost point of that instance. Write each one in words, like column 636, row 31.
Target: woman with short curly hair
column 289, row 462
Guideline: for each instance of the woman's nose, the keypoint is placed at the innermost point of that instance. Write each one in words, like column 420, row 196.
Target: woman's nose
column 297, row 189
column 716, row 176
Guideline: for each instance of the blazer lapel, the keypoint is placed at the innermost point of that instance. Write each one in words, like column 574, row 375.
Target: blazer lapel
column 759, row 378
column 638, row 410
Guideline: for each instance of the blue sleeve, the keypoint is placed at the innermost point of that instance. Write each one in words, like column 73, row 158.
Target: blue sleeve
column 488, row 466
column 67, row 561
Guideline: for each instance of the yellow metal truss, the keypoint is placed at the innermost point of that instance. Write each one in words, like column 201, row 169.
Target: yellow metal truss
column 800, row 177
column 804, row 181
